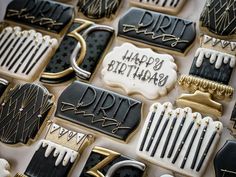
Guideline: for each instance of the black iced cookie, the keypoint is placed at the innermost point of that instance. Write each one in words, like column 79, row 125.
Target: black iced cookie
column 97, row 9
column 219, row 17
column 233, row 116
column 224, row 161
column 101, row 110
column 158, row 30
column 215, row 60
column 22, row 113
column 57, row 153
column 44, row 14
column 3, row 86
column 105, row 162
column 96, row 39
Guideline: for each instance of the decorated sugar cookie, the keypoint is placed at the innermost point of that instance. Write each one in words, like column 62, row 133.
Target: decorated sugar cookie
column 179, row 139
column 24, row 53
column 98, row 9
column 224, row 160
column 109, row 163
column 218, row 17
column 89, row 41
column 165, row 6
column 57, row 153
column 139, row 70
column 101, row 110
column 21, row 11
column 23, row 111
column 164, row 32
column 4, row 168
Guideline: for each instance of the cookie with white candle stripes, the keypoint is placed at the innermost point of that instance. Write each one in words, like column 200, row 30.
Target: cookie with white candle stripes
column 46, row 15
column 23, row 113
column 160, row 31
column 79, row 53
column 98, row 9
column 4, row 168
column 139, row 70
column 179, row 139
column 209, row 76
column 218, row 18
column 57, row 153
column 165, row 6
column 101, row 110
column 224, row 160
column 109, row 163
column 24, row 53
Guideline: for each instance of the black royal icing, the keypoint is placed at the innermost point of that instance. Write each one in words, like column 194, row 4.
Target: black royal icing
column 158, row 30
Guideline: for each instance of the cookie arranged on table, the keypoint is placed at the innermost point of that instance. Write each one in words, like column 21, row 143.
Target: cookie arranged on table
column 23, row 53
column 168, row 33
column 105, row 162
column 209, row 76
column 88, row 39
column 179, row 139
column 224, row 160
column 46, row 15
column 57, row 153
column 218, row 18
column 140, row 70
column 165, row 6
column 22, row 113
column 98, row 9
column 3, row 86
column 214, row 60
column 4, row 168
column 101, row 110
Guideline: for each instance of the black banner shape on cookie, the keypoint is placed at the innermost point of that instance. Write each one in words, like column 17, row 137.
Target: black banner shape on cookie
column 158, row 30
column 224, row 161
column 219, row 17
column 3, row 86
column 23, row 112
column 47, row 15
column 96, row 37
column 101, row 110
column 97, row 9
column 110, row 163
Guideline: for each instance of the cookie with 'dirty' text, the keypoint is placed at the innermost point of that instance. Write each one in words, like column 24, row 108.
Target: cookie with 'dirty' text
column 101, row 110
column 109, row 163
column 165, row 6
column 218, row 18
column 46, row 15
column 57, row 153
column 22, row 113
column 167, row 33
column 98, row 9
column 89, row 41
column 179, row 139
column 4, row 168
column 24, row 53
column 140, row 70
column 224, row 161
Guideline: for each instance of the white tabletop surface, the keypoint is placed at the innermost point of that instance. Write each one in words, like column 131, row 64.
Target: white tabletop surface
column 20, row 156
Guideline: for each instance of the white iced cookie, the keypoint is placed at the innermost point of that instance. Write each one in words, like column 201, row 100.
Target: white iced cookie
column 139, row 70
column 4, row 168
column 178, row 139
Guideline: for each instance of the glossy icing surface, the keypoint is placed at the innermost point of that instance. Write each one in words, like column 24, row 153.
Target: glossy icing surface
column 139, row 70
column 47, row 15
column 157, row 30
column 98, row 109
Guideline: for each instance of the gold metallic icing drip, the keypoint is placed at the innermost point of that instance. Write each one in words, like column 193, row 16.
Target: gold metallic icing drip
column 217, row 90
